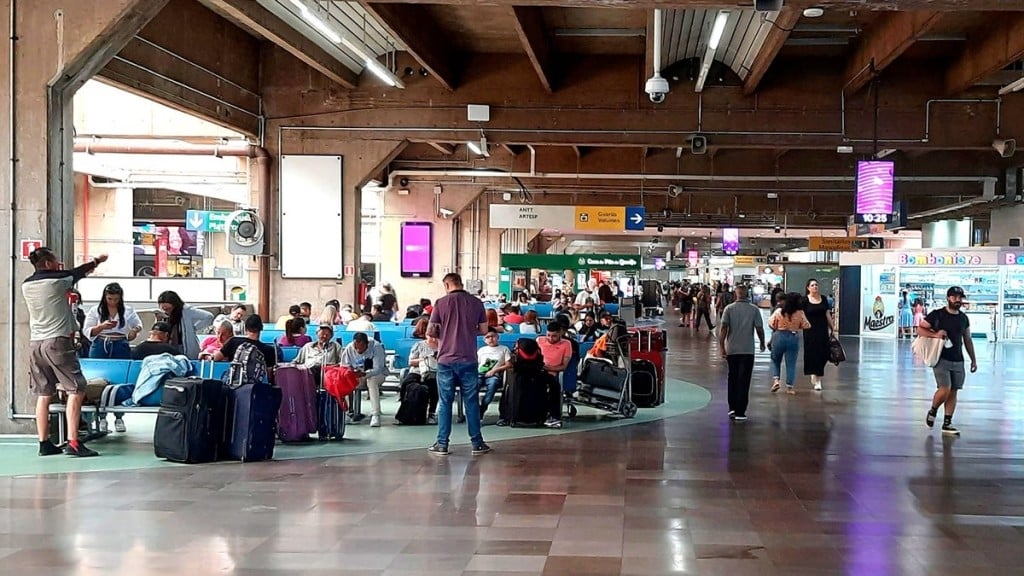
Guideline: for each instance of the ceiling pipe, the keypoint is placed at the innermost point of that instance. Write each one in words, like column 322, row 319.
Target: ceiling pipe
column 240, row 149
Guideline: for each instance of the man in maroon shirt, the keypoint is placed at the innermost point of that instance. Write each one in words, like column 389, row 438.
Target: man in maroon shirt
column 457, row 319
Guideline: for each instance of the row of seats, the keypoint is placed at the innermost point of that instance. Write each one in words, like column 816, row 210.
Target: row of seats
column 127, row 371
column 546, row 309
column 386, row 334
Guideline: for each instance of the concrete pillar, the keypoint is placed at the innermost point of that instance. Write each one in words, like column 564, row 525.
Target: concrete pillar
column 59, row 45
column 947, row 234
column 1006, row 223
column 103, row 225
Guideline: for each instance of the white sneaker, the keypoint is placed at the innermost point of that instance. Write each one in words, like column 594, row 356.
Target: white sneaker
column 375, row 421
column 817, row 385
column 119, row 425
column 104, row 427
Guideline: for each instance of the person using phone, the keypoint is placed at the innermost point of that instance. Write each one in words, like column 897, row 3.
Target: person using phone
column 111, row 325
column 366, row 358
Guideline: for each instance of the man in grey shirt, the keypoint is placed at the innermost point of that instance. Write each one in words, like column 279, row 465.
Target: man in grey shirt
column 736, row 330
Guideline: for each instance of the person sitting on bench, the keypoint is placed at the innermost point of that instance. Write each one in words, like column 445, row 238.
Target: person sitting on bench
column 557, row 353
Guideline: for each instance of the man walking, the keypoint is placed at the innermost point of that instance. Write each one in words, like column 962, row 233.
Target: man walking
column 737, row 325
column 53, row 360
column 949, row 323
column 457, row 319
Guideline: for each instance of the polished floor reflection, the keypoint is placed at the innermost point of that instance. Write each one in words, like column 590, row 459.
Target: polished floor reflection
column 847, row 481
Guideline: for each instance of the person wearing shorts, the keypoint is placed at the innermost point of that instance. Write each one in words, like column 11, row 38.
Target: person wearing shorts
column 53, row 359
column 953, row 326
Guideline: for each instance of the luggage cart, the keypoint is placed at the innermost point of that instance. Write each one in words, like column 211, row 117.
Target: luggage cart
column 604, row 383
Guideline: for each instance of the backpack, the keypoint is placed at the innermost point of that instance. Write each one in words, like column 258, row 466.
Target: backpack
column 249, row 366
column 415, row 398
column 526, row 357
column 727, row 298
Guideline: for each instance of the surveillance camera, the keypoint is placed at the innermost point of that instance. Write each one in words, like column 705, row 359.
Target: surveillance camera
column 446, row 213
column 661, row 227
column 778, row 229
column 403, row 182
column 657, row 88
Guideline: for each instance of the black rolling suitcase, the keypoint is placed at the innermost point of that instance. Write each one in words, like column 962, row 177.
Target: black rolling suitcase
column 190, row 423
column 601, row 381
column 330, row 418
column 643, row 384
column 524, row 400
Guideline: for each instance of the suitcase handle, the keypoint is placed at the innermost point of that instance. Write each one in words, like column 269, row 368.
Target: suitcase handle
column 202, row 369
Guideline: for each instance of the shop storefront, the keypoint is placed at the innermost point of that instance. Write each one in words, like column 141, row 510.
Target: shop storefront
column 925, row 275
column 541, row 274
column 1013, row 294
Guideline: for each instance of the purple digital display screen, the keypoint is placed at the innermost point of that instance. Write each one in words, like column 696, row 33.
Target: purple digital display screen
column 731, row 240
column 417, row 239
column 874, row 187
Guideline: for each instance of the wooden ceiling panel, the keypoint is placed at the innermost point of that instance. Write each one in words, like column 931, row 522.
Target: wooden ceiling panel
column 479, row 29
column 595, row 18
column 599, row 45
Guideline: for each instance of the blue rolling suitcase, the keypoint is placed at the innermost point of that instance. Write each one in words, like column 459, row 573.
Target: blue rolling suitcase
column 250, row 422
column 330, row 417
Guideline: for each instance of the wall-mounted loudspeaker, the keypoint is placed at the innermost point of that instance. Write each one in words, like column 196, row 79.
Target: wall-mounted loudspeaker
column 1015, row 242
column 699, row 145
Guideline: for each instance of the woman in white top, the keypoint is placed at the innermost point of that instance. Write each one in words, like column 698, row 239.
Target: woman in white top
column 111, row 325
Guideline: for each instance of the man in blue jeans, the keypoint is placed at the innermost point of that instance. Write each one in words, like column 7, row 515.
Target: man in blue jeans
column 457, row 319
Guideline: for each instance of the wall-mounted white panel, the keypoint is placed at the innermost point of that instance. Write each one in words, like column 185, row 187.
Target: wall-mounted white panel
column 311, row 217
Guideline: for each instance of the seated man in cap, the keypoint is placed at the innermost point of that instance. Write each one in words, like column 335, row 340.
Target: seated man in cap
column 157, row 343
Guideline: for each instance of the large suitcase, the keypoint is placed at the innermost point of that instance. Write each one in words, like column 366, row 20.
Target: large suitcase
column 650, row 344
column 643, row 384
column 601, row 380
column 524, row 400
column 251, row 422
column 330, row 417
column 297, row 418
column 190, row 423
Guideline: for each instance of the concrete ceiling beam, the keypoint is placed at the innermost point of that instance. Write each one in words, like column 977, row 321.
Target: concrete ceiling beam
column 993, row 49
column 784, row 24
column 426, row 42
column 884, row 42
column 250, row 15
column 529, row 25
column 860, row 5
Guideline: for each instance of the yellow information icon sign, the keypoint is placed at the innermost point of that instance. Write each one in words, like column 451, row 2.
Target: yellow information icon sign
column 600, row 218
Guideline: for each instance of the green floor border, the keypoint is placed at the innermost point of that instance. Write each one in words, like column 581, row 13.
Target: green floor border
column 134, row 450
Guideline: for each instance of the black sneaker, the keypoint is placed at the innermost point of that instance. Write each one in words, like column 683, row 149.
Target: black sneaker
column 930, row 419
column 438, row 449
column 739, row 418
column 501, row 422
column 48, row 448
column 553, row 423
column 949, row 430
column 81, row 452
column 481, row 449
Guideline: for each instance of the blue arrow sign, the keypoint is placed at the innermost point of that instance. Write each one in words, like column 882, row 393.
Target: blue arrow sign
column 197, row 220
column 636, row 217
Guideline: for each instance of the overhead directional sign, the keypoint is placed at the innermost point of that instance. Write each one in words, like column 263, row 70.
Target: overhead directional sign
column 636, row 217
column 206, row 221
column 531, row 216
column 835, row 243
column 600, row 218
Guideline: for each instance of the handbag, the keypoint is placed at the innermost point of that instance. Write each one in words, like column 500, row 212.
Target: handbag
column 836, row 354
column 928, row 349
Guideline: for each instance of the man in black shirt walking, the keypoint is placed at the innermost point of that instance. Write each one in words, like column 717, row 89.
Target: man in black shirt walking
column 949, row 323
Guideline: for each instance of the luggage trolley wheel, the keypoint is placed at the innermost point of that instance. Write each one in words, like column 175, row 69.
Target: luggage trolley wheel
column 629, row 409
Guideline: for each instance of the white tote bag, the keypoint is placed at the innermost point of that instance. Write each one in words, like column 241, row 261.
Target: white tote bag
column 928, row 349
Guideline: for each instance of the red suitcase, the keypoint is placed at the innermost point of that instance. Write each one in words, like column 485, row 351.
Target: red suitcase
column 650, row 344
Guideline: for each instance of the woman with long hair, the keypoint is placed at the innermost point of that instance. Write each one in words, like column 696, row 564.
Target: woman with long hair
column 817, row 337
column 294, row 333
column 186, row 322
column 588, row 328
column 329, row 317
column 419, row 330
column 530, row 324
column 493, row 321
column 906, row 315
column 787, row 322
column 111, row 325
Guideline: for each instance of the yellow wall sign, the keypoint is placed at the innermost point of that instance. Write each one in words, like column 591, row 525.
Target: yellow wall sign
column 600, row 218
column 748, row 260
column 833, row 244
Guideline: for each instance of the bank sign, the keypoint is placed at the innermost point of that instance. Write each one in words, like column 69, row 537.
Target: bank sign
column 589, row 262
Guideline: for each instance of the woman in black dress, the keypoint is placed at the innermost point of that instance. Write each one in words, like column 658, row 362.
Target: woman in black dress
column 816, row 338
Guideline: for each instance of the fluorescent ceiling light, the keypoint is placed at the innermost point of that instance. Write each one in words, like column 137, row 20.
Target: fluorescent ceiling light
column 316, row 22
column 1015, row 86
column 716, row 33
column 379, row 71
column 474, row 148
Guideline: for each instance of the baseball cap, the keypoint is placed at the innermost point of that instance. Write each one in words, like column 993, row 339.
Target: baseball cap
column 161, row 327
column 955, row 291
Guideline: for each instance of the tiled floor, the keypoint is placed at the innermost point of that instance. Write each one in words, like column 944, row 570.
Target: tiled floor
column 848, row 481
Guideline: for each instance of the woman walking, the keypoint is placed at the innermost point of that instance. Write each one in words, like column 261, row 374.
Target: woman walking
column 111, row 325
column 786, row 323
column 816, row 338
column 906, row 315
column 186, row 322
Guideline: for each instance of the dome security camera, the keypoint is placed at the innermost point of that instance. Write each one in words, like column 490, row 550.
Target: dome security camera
column 657, row 88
